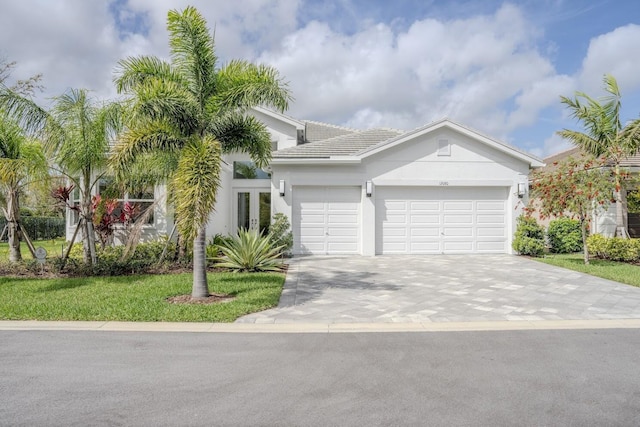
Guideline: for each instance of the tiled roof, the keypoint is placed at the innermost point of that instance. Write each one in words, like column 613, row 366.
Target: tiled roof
column 342, row 145
column 631, row 161
column 316, row 131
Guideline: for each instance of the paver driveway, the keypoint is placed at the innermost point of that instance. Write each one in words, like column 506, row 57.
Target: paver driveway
column 442, row 288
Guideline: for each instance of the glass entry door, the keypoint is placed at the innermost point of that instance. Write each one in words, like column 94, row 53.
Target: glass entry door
column 252, row 209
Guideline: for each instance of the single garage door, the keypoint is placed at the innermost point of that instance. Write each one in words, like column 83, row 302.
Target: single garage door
column 433, row 220
column 326, row 220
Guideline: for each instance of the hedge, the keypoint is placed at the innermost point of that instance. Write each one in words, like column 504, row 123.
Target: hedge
column 39, row 228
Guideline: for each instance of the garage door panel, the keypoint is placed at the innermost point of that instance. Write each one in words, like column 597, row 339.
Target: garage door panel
column 425, row 219
column 424, row 206
column 326, row 220
column 490, row 219
column 424, row 232
column 457, row 219
column 490, row 206
column 491, row 232
column 458, row 246
column 431, row 247
column 441, row 220
column 312, row 232
column 458, row 232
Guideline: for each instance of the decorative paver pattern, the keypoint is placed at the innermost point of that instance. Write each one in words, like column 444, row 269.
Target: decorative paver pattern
column 443, row 288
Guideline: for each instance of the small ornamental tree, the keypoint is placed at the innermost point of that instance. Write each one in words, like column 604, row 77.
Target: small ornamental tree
column 575, row 189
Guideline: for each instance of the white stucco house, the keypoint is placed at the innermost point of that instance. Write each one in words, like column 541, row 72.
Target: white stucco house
column 440, row 188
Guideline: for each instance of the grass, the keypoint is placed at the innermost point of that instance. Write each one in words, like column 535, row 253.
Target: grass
column 617, row 271
column 135, row 298
column 53, row 247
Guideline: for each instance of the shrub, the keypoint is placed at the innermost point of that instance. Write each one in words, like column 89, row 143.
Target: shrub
column 250, row 251
column 565, row 236
column 597, row 245
column 529, row 237
column 614, row 248
column 280, row 233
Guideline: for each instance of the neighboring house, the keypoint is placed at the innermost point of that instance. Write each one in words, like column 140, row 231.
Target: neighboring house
column 441, row 188
column 605, row 222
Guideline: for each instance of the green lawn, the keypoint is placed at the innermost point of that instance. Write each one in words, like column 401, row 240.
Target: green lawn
column 135, row 298
column 53, row 247
column 618, row 271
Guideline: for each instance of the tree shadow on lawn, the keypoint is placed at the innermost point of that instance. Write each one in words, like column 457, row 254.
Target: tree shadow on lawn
column 77, row 282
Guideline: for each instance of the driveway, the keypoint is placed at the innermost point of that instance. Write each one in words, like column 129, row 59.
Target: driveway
column 443, row 288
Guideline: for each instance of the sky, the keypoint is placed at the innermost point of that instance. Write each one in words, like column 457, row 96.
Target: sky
column 498, row 67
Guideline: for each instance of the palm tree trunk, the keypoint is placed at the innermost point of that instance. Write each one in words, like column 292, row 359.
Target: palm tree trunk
column 13, row 222
column 200, row 285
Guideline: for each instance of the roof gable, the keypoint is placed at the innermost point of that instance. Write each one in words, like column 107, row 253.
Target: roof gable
column 446, row 123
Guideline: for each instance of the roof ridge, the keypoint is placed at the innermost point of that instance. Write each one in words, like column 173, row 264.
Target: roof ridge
column 330, row 125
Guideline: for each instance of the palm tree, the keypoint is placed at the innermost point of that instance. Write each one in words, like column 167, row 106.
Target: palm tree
column 604, row 135
column 193, row 111
column 21, row 163
column 76, row 133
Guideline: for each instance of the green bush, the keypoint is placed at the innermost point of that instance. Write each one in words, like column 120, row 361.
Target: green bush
column 280, row 233
column 529, row 237
column 565, row 236
column 597, row 245
column 614, row 248
column 250, row 251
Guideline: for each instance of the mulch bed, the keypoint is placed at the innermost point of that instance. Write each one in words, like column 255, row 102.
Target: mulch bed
column 211, row 299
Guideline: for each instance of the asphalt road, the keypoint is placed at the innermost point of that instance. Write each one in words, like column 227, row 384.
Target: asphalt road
column 573, row 377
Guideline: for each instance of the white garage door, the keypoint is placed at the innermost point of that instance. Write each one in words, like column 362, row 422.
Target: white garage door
column 430, row 220
column 326, row 220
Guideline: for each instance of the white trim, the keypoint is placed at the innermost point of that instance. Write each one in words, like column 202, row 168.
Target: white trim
column 449, row 183
column 282, row 117
column 349, row 160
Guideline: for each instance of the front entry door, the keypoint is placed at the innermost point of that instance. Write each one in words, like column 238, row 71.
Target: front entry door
column 253, row 209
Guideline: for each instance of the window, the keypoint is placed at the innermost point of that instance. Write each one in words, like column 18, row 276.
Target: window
column 248, row 170
column 139, row 200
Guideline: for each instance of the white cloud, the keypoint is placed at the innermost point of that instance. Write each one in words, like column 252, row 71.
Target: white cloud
column 466, row 69
column 614, row 53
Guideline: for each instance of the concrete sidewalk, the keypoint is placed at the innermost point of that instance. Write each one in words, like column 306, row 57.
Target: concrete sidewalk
column 514, row 325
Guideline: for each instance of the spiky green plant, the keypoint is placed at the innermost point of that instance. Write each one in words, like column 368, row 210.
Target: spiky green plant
column 250, row 251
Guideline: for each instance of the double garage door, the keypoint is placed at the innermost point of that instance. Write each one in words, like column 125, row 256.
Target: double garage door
column 433, row 220
column 408, row 220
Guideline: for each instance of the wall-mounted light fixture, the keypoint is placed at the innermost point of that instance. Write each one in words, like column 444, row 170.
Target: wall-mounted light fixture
column 522, row 189
column 281, row 188
column 369, row 188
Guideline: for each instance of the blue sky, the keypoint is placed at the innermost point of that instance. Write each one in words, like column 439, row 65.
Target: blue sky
column 499, row 67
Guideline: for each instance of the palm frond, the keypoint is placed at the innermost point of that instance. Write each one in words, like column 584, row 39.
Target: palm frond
column 196, row 184
column 135, row 71
column 241, row 133
column 29, row 116
column 584, row 141
column 147, row 137
column 192, row 51
column 242, row 85
column 166, row 101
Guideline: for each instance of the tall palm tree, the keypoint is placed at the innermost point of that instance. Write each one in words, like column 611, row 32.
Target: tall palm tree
column 76, row 133
column 193, row 111
column 604, row 135
column 21, row 163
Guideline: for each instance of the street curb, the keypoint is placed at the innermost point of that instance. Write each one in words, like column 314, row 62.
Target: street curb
column 515, row 325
